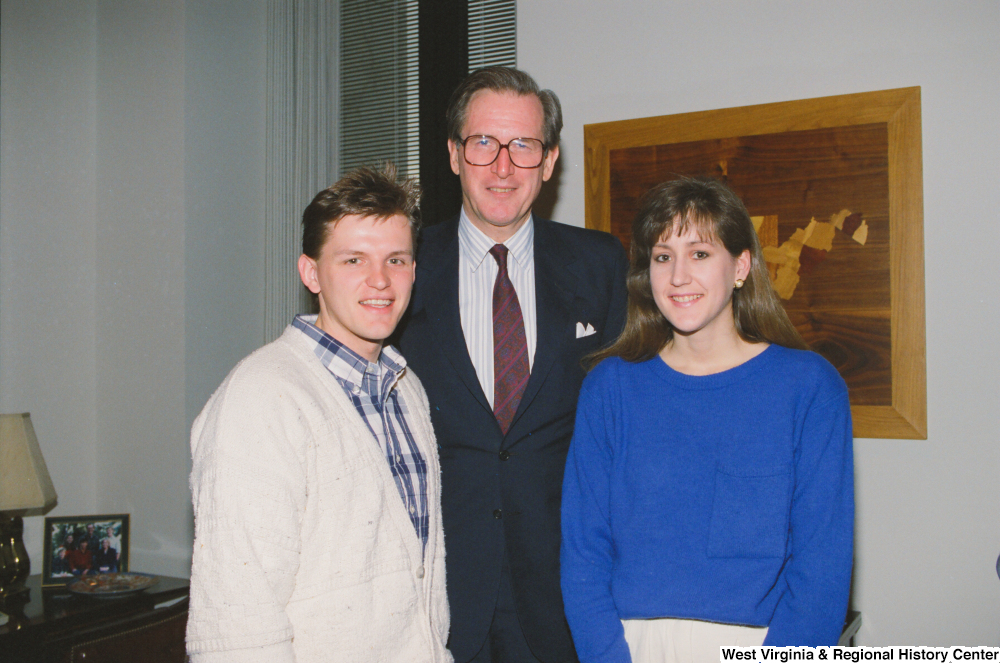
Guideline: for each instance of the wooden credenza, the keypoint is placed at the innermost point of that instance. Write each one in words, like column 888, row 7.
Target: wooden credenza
column 55, row 626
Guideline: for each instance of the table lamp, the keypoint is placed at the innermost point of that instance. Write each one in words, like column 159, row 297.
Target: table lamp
column 25, row 490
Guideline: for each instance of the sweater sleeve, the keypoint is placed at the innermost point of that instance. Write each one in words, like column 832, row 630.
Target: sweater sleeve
column 249, row 490
column 587, row 551
column 812, row 608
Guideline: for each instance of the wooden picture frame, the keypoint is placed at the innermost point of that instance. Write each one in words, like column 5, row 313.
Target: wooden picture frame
column 58, row 567
column 777, row 156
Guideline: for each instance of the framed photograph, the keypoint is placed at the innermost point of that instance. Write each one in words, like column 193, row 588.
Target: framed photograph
column 76, row 546
column 835, row 189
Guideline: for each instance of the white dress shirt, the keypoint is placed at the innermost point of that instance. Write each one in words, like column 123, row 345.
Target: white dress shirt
column 477, row 272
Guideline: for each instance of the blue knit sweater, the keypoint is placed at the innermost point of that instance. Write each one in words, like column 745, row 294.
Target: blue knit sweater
column 726, row 497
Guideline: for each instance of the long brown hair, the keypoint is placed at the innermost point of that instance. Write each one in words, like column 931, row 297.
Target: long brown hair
column 716, row 212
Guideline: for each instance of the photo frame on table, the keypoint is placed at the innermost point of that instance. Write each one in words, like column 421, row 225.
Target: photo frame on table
column 835, row 189
column 75, row 546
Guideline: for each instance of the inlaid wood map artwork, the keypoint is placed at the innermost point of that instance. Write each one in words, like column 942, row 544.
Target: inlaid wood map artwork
column 837, row 205
column 805, row 248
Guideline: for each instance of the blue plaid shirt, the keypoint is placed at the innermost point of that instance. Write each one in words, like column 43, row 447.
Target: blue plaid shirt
column 370, row 387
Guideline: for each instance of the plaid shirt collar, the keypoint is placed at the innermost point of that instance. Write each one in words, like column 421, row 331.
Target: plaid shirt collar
column 370, row 388
column 348, row 365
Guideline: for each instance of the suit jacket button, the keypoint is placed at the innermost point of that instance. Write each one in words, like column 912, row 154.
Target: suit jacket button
column 504, row 455
column 498, row 514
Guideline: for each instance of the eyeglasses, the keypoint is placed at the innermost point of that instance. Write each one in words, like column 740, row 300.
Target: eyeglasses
column 484, row 150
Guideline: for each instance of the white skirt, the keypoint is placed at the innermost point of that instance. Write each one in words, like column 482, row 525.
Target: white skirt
column 685, row 640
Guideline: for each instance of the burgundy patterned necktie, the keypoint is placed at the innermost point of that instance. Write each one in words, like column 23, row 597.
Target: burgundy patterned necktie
column 510, row 349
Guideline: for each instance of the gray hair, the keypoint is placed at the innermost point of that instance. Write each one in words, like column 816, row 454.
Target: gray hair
column 504, row 79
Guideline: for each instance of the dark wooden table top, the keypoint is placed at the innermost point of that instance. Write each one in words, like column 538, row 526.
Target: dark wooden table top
column 43, row 615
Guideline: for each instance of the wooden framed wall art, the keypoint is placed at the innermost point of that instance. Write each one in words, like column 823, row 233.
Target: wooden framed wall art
column 835, row 189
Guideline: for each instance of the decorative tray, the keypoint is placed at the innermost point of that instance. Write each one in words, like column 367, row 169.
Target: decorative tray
column 112, row 585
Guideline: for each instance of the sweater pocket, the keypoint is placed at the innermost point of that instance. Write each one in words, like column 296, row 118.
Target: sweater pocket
column 750, row 512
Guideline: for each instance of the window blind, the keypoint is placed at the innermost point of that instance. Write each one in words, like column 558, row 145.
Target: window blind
column 492, row 33
column 301, row 142
column 379, row 85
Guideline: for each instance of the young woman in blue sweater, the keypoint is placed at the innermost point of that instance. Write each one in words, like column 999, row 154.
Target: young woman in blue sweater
column 708, row 497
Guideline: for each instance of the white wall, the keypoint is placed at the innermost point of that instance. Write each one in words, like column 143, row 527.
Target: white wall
column 225, row 102
column 131, row 251
column 141, row 460
column 928, row 512
column 48, row 225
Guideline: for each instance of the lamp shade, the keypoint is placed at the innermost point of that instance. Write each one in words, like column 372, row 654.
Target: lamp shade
column 25, row 485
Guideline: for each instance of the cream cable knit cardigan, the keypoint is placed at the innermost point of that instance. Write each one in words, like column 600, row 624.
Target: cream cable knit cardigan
column 303, row 549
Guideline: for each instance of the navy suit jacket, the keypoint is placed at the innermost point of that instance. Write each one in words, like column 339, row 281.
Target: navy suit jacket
column 504, row 491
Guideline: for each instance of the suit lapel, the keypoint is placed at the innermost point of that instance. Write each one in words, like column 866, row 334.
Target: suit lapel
column 556, row 283
column 439, row 298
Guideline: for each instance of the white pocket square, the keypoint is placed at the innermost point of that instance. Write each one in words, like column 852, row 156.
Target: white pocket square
column 582, row 331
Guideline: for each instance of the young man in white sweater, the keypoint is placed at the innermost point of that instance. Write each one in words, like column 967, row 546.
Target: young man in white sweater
column 315, row 475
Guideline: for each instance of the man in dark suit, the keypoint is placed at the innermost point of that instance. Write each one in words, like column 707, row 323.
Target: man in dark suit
column 504, row 307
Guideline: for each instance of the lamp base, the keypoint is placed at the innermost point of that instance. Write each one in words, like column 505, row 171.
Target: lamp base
column 14, row 563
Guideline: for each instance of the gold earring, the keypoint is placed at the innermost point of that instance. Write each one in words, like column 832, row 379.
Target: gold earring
column 739, row 283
